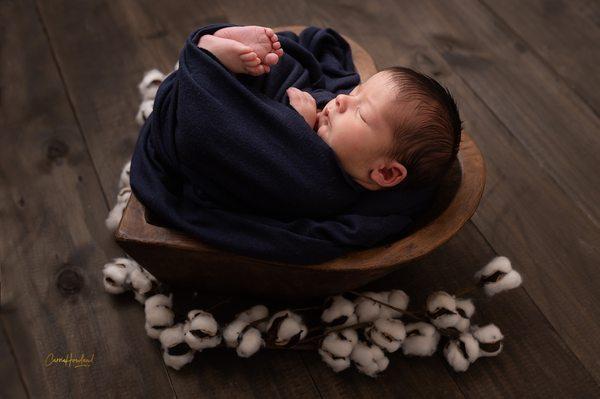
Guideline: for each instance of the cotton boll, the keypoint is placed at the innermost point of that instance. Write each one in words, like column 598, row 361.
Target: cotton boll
column 158, row 314
column 150, row 83
column 176, row 67
column 176, row 353
column 115, row 279
column 336, row 348
column 257, row 312
column 461, row 352
column 285, row 328
column 398, row 299
column 441, row 309
column 388, row 334
column 339, row 312
column 114, row 216
column 249, row 342
column 368, row 310
column 421, row 339
column 497, row 276
column 124, row 178
column 201, row 331
column 232, row 331
column 142, row 283
column 369, row 359
column 465, row 308
column 489, row 338
column 117, row 275
column 144, row 111
column 462, row 325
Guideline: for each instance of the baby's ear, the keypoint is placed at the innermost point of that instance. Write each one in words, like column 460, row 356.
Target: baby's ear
column 389, row 175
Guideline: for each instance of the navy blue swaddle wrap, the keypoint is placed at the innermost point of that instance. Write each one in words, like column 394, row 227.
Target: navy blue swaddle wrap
column 226, row 159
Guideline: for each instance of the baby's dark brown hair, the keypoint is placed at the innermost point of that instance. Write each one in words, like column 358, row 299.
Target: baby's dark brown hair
column 427, row 140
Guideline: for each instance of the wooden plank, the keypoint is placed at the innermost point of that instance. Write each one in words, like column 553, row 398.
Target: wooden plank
column 102, row 66
column 564, row 33
column 524, row 214
column 540, row 110
column 12, row 382
column 54, row 241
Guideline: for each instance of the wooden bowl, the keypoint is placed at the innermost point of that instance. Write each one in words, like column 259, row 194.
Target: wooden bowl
column 180, row 260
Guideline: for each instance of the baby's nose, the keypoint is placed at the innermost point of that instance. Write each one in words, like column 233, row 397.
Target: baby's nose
column 341, row 102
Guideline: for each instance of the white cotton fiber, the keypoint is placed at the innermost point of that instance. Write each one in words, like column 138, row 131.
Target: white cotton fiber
column 421, row 339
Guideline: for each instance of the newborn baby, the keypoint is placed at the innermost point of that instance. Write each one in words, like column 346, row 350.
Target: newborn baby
column 397, row 127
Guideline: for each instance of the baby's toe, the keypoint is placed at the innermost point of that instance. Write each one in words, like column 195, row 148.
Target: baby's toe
column 279, row 52
column 255, row 71
column 248, row 56
column 271, row 59
column 269, row 32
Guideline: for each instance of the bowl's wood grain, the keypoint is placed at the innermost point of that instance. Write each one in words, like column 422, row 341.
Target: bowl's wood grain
column 178, row 259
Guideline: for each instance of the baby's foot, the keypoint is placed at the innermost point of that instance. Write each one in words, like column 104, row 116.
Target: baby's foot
column 236, row 57
column 263, row 41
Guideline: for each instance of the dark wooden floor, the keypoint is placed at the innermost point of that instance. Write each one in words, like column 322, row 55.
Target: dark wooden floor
column 527, row 80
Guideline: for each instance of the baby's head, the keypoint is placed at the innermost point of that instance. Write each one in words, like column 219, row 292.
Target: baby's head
column 398, row 127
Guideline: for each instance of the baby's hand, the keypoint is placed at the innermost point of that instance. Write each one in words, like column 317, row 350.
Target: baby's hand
column 305, row 104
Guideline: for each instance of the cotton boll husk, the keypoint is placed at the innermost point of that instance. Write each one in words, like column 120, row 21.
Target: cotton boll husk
column 124, row 178
column 291, row 327
column 255, row 313
column 232, row 331
column 339, row 313
column 498, row 264
column 441, row 309
column 369, row 359
column 489, row 338
column 144, row 111
column 398, row 299
column 159, row 300
column 498, row 275
column 461, row 352
column 368, row 310
column 174, row 337
column 421, row 339
column 388, row 334
column 511, row 280
column 249, row 342
column 150, row 83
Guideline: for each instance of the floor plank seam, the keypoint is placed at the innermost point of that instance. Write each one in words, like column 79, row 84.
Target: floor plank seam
column 531, row 154
column 14, row 355
column 70, row 101
column 510, row 31
column 301, row 355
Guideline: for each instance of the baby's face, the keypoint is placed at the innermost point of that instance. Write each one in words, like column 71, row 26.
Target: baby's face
column 355, row 126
